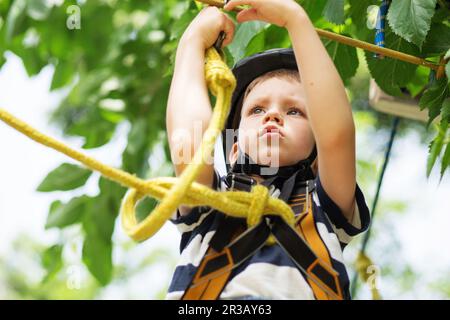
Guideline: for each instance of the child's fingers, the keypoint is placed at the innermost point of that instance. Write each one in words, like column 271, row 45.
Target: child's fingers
column 247, row 15
column 233, row 3
column 228, row 28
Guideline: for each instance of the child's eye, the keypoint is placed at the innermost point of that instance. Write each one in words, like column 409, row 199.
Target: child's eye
column 295, row 111
column 256, row 110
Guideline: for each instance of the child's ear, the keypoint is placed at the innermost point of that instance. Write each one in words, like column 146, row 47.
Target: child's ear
column 233, row 153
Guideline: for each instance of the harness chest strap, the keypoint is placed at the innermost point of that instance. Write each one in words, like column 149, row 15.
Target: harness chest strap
column 216, row 266
column 303, row 244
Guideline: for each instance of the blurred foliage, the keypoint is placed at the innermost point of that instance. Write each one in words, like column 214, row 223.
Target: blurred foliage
column 117, row 59
column 33, row 271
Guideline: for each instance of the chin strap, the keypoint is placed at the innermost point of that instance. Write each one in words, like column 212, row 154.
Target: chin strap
column 245, row 164
column 284, row 178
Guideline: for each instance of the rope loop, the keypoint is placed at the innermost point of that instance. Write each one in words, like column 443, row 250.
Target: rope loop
column 260, row 195
column 170, row 191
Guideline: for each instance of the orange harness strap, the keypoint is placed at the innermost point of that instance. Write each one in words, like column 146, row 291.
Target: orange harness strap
column 210, row 286
column 307, row 227
column 209, row 282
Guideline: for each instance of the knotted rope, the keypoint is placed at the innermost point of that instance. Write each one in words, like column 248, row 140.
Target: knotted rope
column 172, row 192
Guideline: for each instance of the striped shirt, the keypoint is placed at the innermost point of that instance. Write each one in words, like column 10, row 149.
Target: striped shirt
column 269, row 273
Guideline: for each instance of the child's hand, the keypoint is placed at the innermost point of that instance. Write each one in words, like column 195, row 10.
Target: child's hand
column 278, row 12
column 206, row 27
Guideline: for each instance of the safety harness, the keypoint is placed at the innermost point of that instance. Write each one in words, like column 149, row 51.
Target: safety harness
column 233, row 243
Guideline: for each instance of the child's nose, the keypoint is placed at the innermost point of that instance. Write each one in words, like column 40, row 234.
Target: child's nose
column 273, row 115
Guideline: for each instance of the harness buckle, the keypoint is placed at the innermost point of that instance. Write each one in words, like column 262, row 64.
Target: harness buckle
column 239, row 182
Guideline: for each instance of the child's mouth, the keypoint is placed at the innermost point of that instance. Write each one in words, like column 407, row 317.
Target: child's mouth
column 271, row 131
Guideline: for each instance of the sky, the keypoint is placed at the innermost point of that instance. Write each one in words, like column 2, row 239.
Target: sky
column 422, row 230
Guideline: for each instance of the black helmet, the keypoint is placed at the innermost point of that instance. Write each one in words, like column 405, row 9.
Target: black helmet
column 250, row 68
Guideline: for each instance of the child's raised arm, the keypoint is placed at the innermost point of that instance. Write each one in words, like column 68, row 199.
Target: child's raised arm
column 188, row 108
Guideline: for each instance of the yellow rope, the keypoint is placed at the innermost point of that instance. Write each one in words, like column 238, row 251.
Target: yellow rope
column 362, row 265
column 257, row 205
column 183, row 190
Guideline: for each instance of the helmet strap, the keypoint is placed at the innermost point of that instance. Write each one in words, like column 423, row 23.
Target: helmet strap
column 245, row 164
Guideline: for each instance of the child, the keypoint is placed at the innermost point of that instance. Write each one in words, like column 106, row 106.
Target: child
column 288, row 106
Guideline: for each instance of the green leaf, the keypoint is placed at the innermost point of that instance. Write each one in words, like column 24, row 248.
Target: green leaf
column 445, row 160
column 436, row 146
column 442, row 13
column 345, row 58
column 243, row 35
column 256, row 45
column 51, row 260
column 445, row 111
column 62, row 215
column 30, row 58
column 419, row 83
column 438, row 40
column 182, row 23
column 314, row 8
column 136, row 152
column 87, row 121
column 411, row 19
column 99, row 218
column 276, row 37
column 433, row 98
column 64, row 73
column 66, row 177
column 358, row 11
column 392, row 74
column 144, row 208
column 2, row 60
column 334, row 11
column 113, row 192
column 98, row 224
column 97, row 256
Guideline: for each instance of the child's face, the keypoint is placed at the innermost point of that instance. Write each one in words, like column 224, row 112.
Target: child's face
column 279, row 103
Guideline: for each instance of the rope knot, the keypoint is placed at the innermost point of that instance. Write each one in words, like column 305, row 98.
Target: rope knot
column 217, row 74
column 260, row 195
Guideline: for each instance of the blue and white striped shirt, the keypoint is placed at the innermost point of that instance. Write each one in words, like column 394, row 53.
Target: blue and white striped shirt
column 269, row 273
